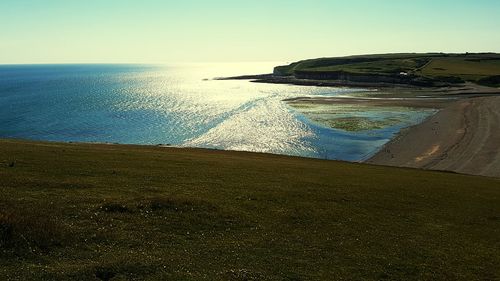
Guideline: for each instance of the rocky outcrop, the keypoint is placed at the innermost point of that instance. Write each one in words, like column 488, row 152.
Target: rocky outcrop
column 491, row 81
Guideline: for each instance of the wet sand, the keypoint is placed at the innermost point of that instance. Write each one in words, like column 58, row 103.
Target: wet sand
column 404, row 102
column 463, row 137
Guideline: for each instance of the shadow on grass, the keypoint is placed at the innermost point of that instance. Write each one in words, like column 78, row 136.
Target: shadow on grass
column 173, row 214
column 25, row 231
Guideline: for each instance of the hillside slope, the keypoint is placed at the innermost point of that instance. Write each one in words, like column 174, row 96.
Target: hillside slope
column 93, row 212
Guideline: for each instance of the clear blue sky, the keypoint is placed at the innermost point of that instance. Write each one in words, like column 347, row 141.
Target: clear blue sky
column 156, row 31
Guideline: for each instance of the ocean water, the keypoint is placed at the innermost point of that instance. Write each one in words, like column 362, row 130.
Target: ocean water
column 181, row 105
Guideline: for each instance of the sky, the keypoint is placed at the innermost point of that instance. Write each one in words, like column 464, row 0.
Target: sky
column 162, row 31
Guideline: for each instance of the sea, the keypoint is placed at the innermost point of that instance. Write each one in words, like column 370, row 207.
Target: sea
column 183, row 105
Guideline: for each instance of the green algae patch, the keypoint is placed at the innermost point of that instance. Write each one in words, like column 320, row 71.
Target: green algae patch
column 354, row 124
column 356, row 118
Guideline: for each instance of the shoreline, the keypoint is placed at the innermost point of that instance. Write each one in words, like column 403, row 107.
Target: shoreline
column 467, row 88
column 460, row 137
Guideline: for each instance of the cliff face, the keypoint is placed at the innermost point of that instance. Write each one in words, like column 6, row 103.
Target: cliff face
column 366, row 78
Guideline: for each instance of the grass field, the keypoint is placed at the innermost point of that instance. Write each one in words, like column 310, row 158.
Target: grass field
column 382, row 67
column 110, row 212
column 467, row 69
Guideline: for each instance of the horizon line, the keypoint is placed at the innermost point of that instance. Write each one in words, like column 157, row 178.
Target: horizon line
column 235, row 61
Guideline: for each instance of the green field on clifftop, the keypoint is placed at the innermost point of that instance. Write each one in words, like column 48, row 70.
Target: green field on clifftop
column 116, row 212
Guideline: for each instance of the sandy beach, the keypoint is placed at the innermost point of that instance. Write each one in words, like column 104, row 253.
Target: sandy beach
column 463, row 137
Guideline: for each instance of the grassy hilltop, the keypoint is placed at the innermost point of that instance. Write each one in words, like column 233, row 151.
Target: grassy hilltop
column 96, row 212
column 432, row 69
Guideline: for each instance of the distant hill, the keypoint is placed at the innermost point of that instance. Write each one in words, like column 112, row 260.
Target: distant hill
column 430, row 69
